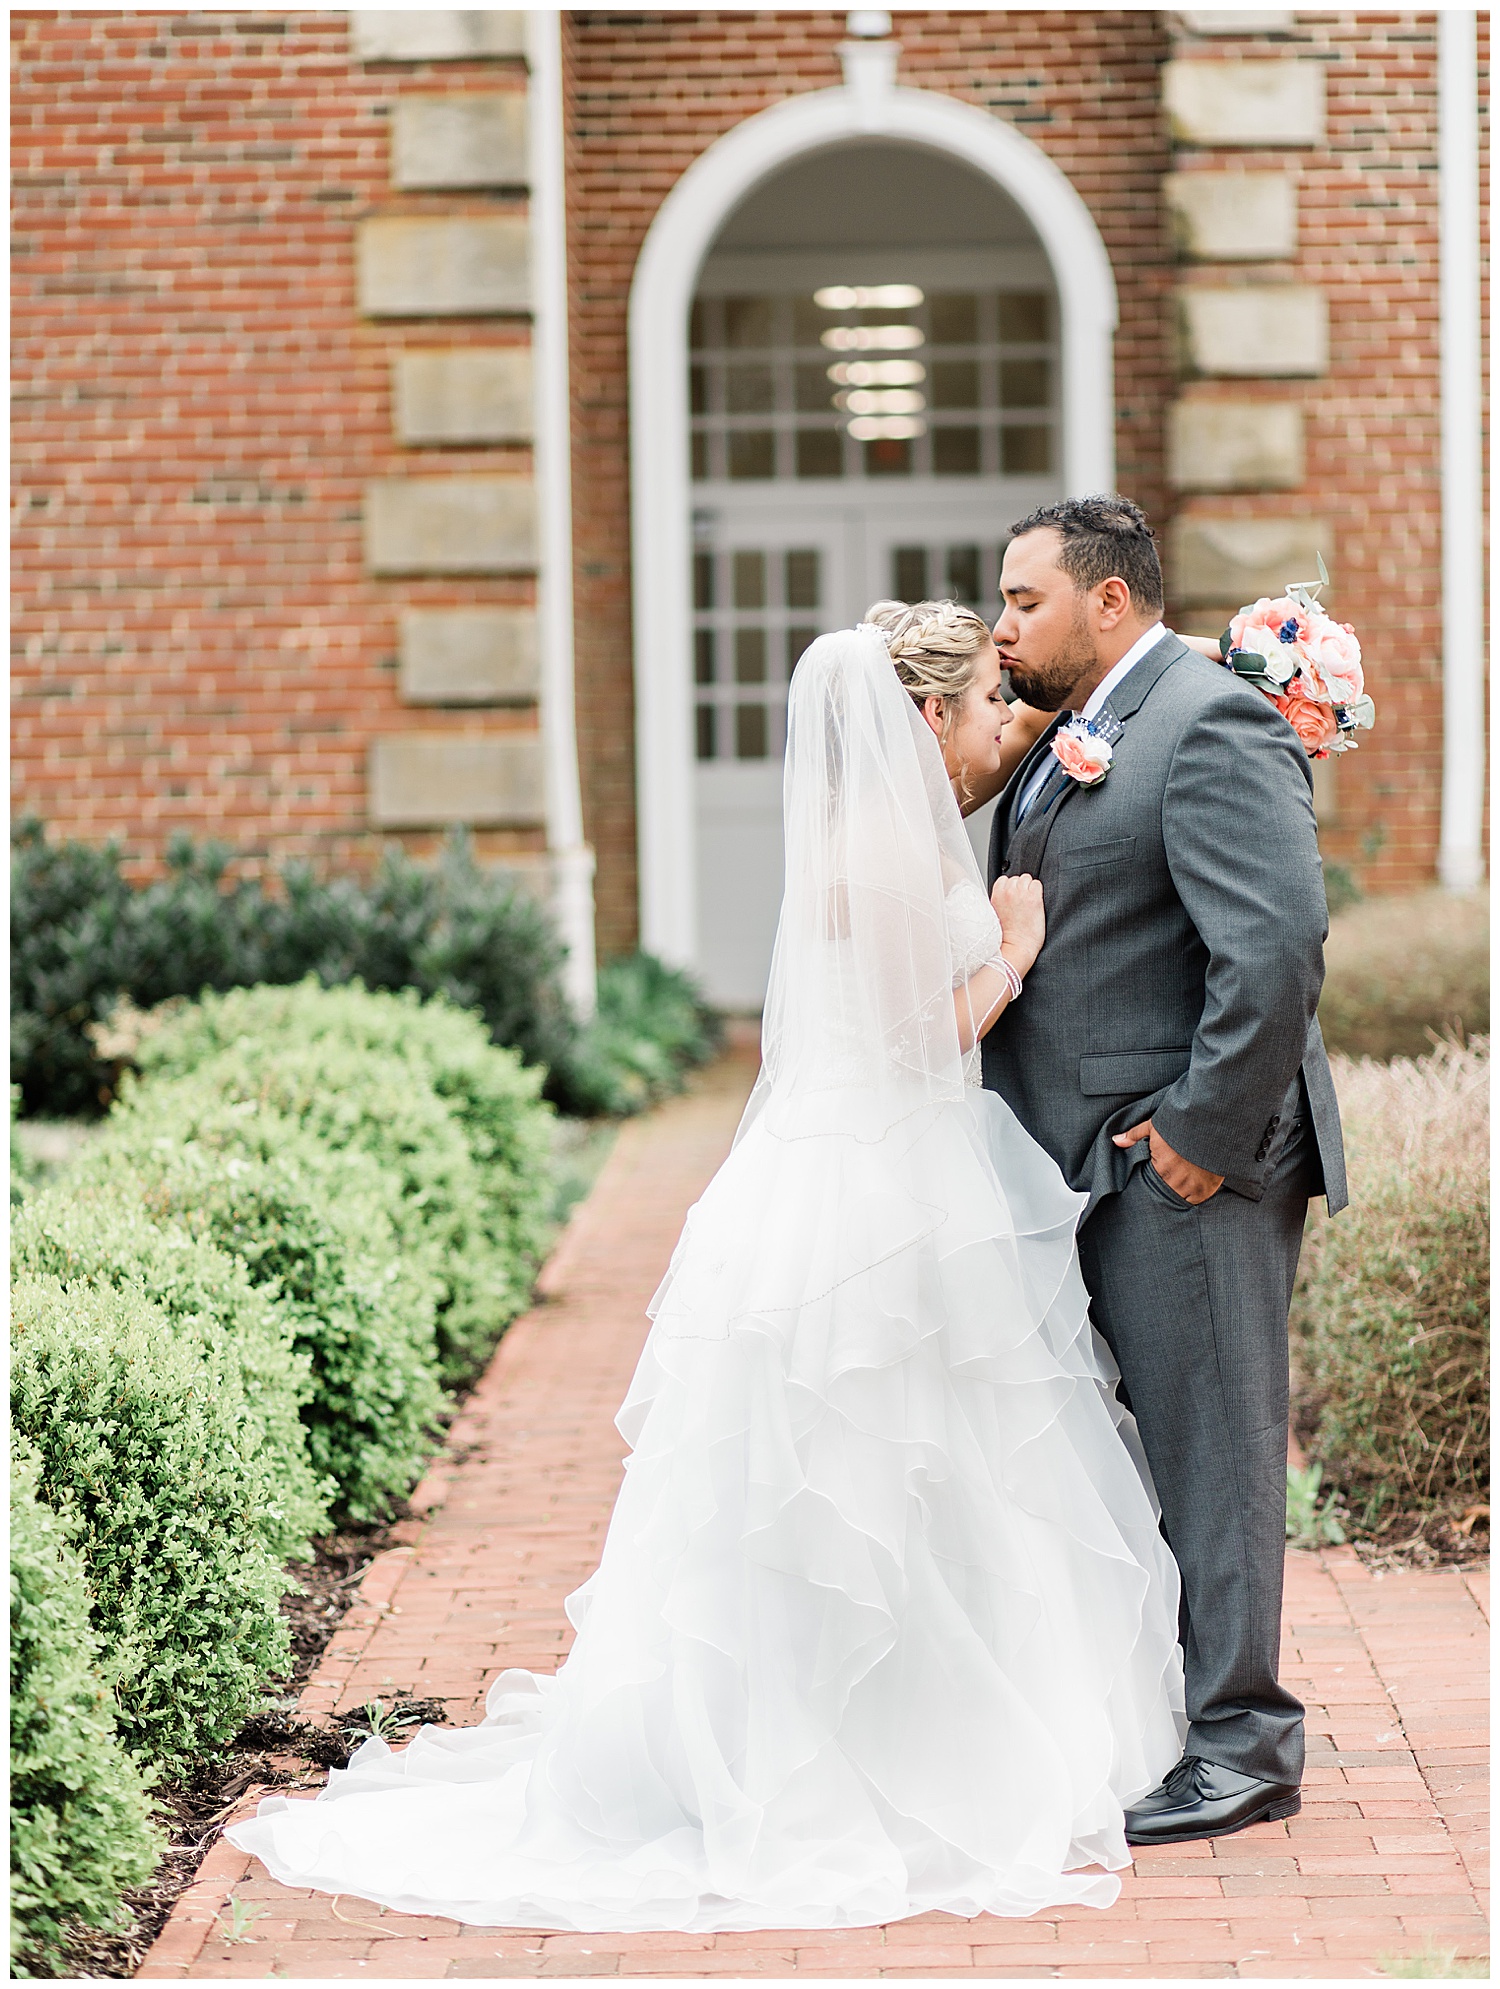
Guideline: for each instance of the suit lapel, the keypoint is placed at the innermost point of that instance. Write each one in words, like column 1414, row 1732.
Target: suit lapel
column 1010, row 794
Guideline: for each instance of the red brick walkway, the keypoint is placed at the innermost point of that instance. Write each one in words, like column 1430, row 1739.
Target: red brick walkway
column 1387, row 1858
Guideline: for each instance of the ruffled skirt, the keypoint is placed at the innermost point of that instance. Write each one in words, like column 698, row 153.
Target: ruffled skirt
column 884, row 1621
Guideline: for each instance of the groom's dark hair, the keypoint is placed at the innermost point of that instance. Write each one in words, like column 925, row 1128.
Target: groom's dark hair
column 1103, row 538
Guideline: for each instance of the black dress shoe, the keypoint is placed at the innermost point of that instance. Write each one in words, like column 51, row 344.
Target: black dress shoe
column 1201, row 1799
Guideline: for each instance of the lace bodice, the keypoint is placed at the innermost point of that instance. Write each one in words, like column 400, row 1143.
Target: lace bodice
column 973, row 930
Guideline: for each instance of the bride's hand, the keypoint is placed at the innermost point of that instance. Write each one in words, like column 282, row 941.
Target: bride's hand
column 1023, row 920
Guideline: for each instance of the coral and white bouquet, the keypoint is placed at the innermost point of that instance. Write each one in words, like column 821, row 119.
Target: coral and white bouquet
column 1306, row 663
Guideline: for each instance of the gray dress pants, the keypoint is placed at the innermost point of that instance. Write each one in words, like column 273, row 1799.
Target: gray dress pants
column 1194, row 1303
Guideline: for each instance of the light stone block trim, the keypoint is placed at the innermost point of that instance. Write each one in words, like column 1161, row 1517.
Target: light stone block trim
column 430, row 780
column 443, row 267
column 438, row 34
column 462, row 524
column 1273, row 331
column 1233, row 217
column 468, row 394
column 1235, row 445
column 1260, row 103
column 467, row 141
column 1214, row 560
column 469, row 656
column 1236, row 20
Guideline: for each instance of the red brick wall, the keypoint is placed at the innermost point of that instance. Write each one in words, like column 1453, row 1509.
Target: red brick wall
column 199, row 406
column 649, row 92
column 1367, row 218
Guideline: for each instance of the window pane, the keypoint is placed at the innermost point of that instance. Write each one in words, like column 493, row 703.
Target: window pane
column 909, row 573
column 963, row 573
column 706, row 731
column 749, row 389
column 955, row 319
column 955, row 452
column 955, row 383
column 749, row 656
column 698, row 324
column 814, row 389
column 752, row 453
column 888, row 457
column 751, row 732
column 798, row 640
column 1023, row 383
column 703, row 656
column 802, row 588
column 700, row 457
column 747, row 321
column 703, row 580
column 820, row 452
column 749, row 580
column 1025, row 451
column 1023, row 316
column 698, row 389
column 808, row 321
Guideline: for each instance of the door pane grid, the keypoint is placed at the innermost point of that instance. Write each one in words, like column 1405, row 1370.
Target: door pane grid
column 964, row 572
column 958, row 384
column 754, row 614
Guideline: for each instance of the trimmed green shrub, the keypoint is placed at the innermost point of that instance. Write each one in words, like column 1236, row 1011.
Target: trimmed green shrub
column 140, row 1440
column 1403, row 970
column 420, row 1087
column 1392, row 1307
column 652, row 1025
column 78, row 1232
column 81, row 1826
column 313, row 1226
column 82, row 939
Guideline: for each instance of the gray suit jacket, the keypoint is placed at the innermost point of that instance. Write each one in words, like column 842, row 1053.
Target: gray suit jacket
column 1185, row 926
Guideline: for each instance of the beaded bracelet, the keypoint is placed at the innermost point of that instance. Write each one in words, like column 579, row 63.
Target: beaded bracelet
column 1012, row 978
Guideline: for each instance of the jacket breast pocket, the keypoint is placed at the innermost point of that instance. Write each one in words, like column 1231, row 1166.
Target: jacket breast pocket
column 1131, row 1073
column 1097, row 856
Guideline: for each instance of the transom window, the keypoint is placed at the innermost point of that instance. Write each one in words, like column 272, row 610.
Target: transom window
column 869, row 381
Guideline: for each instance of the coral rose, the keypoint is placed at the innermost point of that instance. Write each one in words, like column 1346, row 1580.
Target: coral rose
column 1332, row 659
column 1085, row 756
column 1313, row 723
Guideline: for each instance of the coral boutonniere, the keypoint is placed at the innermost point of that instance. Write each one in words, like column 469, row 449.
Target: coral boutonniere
column 1084, row 752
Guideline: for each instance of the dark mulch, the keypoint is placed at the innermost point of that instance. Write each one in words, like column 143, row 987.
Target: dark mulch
column 1428, row 1540
column 272, row 1749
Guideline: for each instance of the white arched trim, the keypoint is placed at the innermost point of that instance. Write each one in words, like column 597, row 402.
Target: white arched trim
column 661, row 296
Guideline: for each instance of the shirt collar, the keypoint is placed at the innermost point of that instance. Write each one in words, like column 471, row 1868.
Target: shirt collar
column 1142, row 646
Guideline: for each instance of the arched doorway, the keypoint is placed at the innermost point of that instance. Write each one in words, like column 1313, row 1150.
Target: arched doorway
column 864, row 333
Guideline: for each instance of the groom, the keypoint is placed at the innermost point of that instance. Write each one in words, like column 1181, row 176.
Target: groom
column 1166, row 1053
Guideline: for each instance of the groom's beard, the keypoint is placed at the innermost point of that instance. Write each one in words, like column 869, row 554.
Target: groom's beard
column 1048, row 686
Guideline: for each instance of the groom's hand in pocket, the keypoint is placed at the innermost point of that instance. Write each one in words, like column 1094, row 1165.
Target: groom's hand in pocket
column 1194, row 1184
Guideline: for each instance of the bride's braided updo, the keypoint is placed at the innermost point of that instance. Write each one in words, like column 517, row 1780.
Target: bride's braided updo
column 934, row 647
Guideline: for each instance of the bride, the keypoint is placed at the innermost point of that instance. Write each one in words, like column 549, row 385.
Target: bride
column 884, row 1622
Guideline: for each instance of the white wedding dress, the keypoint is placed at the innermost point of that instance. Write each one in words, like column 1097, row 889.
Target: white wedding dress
column 884, row 1622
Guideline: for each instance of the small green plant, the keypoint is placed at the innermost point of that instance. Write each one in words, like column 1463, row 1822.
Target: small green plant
column 1307, row 1523
column 82, row 1828
column 1431, row 1960
column 242, row 1917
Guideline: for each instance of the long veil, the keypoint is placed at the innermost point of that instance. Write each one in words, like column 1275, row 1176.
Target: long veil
column 883, row 905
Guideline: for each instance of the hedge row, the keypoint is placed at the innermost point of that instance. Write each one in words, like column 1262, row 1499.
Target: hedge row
column 84, row 939
column 1391, row 1317
column 233, row 1315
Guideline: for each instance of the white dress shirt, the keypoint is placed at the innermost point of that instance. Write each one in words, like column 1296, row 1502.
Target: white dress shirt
column 1142, row 646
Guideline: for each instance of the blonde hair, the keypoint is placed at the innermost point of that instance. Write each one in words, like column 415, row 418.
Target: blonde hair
column 934, row 648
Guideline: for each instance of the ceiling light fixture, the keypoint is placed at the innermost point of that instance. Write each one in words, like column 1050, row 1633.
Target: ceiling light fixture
column 874, row 338
column 878, row 373
column 886, row 428
column 868, row 297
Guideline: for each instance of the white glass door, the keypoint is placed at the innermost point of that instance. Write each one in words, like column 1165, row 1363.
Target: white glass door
column 766, row 580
